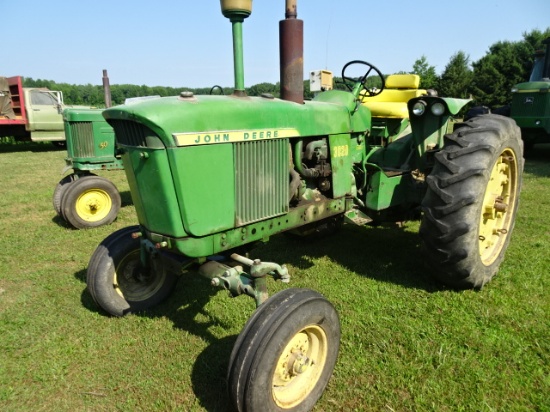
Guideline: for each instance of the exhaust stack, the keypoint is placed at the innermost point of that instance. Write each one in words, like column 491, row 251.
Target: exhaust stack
column 106, row 89
column 291, row 46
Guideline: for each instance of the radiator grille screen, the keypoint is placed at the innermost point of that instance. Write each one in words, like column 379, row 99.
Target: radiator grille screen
column 261, row 180
column 130, row 133
column 82, row 139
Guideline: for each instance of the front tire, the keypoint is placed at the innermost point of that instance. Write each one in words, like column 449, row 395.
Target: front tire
column 472, row 199
column 90, row 201
column 117, row 280
column 285, row 355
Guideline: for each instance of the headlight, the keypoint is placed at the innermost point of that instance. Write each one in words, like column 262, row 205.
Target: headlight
column 419, row 108
column 438, row 109
column 514, row 89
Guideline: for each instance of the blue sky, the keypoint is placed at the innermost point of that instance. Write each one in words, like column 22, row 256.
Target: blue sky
column 188, row 43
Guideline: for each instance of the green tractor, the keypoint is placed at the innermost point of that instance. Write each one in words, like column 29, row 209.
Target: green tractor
column 530, row 106
column 212, row 175
column 82, row 198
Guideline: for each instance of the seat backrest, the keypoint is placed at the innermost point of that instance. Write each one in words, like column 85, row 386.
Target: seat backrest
column 392, row 102
column 403, row 81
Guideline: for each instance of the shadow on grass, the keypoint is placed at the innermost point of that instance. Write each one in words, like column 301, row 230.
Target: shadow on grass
column 126, row 198
column 186, row 304
column 386, row 253
column 209, row 375
column 59, row 221
column 85, row 298
column 537, row 160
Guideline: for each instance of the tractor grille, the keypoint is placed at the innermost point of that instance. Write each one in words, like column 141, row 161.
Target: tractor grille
column 535, row 108
column 131, row 133
column 82, row 139
column 261, row 180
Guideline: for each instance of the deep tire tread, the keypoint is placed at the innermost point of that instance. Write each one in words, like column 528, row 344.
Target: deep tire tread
column 452, row 205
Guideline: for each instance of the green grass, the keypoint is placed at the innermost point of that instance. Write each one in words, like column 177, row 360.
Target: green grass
column 407, row 342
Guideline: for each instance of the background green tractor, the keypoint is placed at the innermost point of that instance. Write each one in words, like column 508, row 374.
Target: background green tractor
column 210, row 176
column 82, row 198
column 530, row 106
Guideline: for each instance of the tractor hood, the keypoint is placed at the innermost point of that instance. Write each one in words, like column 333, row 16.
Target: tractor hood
column 529, row 87
column 190, row 120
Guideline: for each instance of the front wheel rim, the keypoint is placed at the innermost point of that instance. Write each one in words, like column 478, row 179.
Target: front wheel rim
column 499, row 204
column 299, row 366
column 94, row 205
column 132, row 282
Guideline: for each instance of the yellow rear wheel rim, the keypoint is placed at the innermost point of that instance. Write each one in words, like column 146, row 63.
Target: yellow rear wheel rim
column 498, row 207
column 299, row 367
column 94, row 205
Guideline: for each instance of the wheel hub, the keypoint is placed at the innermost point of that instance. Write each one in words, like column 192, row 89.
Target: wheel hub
column 299, row 366
column 93, row 205
column 133, row 282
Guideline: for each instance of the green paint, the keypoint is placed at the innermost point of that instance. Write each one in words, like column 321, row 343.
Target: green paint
column 212, row 173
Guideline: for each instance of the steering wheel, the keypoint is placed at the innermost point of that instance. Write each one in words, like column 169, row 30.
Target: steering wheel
column 352, row 83
column 216, row 87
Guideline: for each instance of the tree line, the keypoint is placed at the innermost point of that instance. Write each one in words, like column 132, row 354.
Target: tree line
column 488, row 81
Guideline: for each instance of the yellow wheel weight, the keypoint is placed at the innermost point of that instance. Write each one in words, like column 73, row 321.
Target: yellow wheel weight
column 499, row 202
column 93, row 205
column 299, row 367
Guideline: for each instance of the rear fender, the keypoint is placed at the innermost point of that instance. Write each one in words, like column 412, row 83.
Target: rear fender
column 431, row 118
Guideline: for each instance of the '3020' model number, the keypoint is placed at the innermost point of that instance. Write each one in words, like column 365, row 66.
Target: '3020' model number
column 340, row 151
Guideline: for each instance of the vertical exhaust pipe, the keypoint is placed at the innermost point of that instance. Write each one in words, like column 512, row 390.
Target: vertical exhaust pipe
column 107, row 89
column 291, row 47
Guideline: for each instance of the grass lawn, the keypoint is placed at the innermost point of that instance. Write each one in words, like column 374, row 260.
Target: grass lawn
column 407, row 342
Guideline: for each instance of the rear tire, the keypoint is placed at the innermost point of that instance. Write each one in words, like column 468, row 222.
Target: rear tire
column 471, row 202
column 285, row 355
column 117, row 281
column 90, row 201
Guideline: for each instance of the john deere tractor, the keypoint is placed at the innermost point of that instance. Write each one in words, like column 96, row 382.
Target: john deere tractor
column 212, row 175
column 530, row 106
column 82, row 198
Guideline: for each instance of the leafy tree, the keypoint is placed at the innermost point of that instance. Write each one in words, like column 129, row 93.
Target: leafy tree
column 496, row 73
column 261, row 88
column 456, row 78
column 308, row 94
column 428, row 76
column 532, row 42
column 506, row 64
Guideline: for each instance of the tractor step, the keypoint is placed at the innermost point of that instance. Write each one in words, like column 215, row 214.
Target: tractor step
column 357, row 217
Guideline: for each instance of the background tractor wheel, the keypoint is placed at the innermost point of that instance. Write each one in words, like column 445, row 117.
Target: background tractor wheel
column 59, row 191
column 471, row 203
column 284, row 356
column 117, row 280
column 90, row 201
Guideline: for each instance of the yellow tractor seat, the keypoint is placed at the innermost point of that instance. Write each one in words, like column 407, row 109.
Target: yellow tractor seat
column 392, row 102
